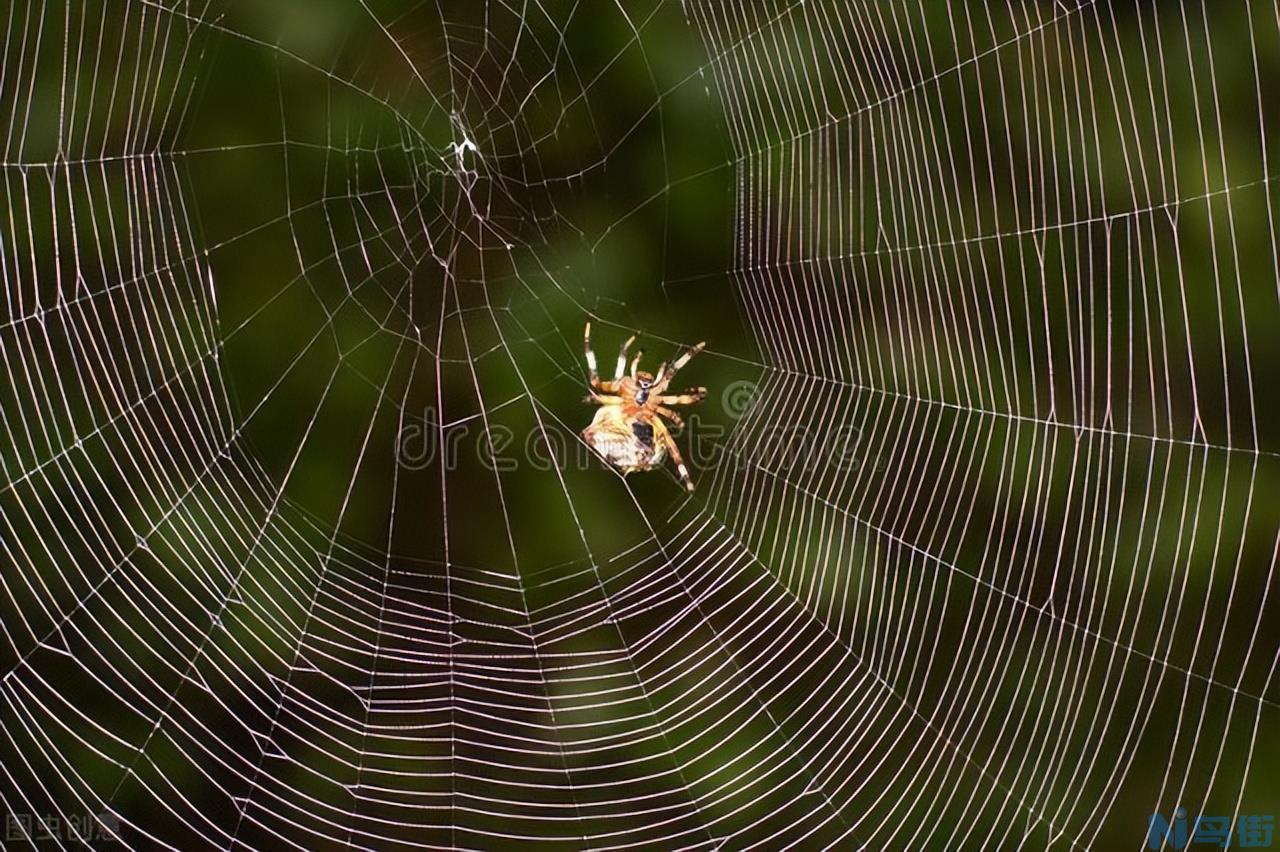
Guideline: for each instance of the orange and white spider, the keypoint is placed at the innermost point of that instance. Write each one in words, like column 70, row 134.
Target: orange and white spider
column 629, row 430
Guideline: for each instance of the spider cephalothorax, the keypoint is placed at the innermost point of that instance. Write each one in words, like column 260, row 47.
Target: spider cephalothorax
column 629, row 430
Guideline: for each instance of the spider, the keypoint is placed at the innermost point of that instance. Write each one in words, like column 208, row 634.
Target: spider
column 629, row 430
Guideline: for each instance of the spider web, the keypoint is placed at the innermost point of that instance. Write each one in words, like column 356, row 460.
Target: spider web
column 983, row 556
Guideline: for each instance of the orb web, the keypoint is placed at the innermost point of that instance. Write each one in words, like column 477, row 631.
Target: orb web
column 299, row 546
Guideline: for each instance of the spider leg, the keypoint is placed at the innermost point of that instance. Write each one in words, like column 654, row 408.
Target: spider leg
column 635, row 363
column 591, row 357
column 676, row 420
column 622, row 358
column 663, row 434
column 596, row 383
column 678, row 364
column 603, row 399
column 689, row 397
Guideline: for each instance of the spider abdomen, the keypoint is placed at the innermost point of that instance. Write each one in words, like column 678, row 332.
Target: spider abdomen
column 625, row 442
column 643, row 432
